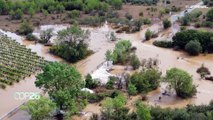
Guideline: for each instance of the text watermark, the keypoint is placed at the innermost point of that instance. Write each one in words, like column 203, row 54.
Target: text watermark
column 26, row 95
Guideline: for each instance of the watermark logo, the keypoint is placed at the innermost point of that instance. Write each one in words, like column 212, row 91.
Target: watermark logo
column 26, row 96
column 195, row 6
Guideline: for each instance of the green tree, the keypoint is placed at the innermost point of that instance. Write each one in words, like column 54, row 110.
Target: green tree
column 181, row 81
column 63, row 83
column 166, row 23
column 132, row 90
column 193, row 47
column 143, row 112
column 72, row 44
column 121, row 52
column 3, row 7
column 39, row 109
column 16, row 15
column 135, row 62
column 90, row 83
column 31, row 12
column 116, row 4
column 148, row 34
column 46, row 35
column 209, row 15
column 146, row 80
column 25, row 28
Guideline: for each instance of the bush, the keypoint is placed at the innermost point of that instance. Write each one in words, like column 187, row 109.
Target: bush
column 166, row 23
column 209, row 15
column 146, row 21
column 31, row 37
column 146, row 81
column 163, row 43
column 25, row 28
column 128, row 16
column 111, row 82
column 16, row 15
column 132, row 90
column 148, row 34
column 181, row 82
column 203, row 71
column 90, row 83
column 93, row 21
column 135, row 62
column 193, row 47
column 116, row 4
column 69, row 49
column 185, row 21
column 73, row 14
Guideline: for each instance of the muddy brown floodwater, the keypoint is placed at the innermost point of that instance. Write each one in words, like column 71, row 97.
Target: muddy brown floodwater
column 100, row 44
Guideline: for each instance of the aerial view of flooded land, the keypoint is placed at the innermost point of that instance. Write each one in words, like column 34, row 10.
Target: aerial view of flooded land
column 106, row 59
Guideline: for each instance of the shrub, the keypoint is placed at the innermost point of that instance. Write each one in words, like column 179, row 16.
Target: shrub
column 146, row 21
column 90, row 83
column 146, row 81
column 116, row 4
column 197, row 24
column 209, row 15
column 166, row 23
column 135, row 62
column 163, row 43
column 25, row 28
column 148, row 34
column 203, row 71
column 73, row 14
column 193, row 47
column 111, row 82
column 16, row 15
column 128, row 16
column 141, row 14
column 181, row 82
column 45, row 36
column 31, row 37
column 132, row 90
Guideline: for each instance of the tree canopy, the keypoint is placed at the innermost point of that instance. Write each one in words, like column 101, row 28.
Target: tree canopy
column 39, row 109
column 181, row 81
column 72, row 44
column 63, row 83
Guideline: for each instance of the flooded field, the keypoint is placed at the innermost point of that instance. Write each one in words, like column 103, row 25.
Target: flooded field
column 99, row 43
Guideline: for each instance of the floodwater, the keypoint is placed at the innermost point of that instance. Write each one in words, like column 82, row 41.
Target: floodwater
column 99, row 43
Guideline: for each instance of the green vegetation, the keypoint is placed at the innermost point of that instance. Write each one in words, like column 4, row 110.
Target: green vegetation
column 45, row 36
column 146, row 81
column 163, row 43
column 209, row 15
column 72, row 44
column 143, row 112
column 134, row 62
column 25, row 28
column 182, row 38
column 121, row 52
column 203, row 71
column 91, row 83
column 17, row 62
column 193, row 47
column 63, row 83
column 166, row 23
column 40, row 109
column 148, row 34
column 181, row 82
